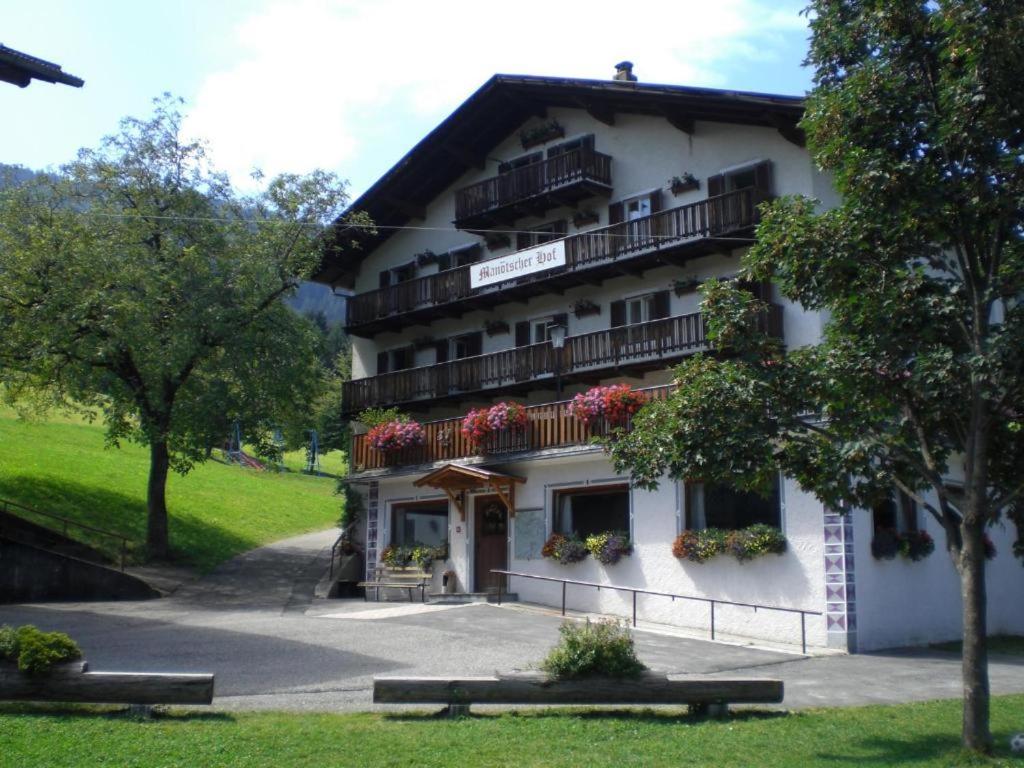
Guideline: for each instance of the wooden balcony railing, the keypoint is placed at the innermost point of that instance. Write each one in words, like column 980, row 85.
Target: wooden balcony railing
column 547, row 426
column 708, row 218
column 526, row 182
column 625, row 345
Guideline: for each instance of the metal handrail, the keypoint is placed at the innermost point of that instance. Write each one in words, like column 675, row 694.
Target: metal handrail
column 640, row 591
column 6, row 504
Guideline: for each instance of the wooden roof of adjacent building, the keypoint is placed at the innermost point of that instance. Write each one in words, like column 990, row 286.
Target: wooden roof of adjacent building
column 464, row 139
column 21, row 69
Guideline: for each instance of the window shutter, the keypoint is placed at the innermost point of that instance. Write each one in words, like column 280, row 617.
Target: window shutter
column 441, row 351
column 562, row 319
column 504, row 167
column 588, row 141
column 618, row 313
column 523, row 333
column 561, row 228
column 716, row 185
column 444, row 262
column 475, row 343
column 763, row 176
column 655, row 201
column 661, row 305
column 382, row 363
column 523, row 240
column 385, row 278
column 616, row 213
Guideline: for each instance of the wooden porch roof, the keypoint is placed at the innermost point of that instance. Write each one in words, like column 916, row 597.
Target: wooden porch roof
column 456, row 479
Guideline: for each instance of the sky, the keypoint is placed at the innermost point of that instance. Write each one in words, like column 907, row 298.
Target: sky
column 351, row 86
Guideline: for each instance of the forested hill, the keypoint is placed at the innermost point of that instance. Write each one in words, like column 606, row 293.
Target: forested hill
column 310, row 299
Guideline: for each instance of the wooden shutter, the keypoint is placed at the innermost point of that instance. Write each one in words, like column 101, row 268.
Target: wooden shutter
column 444, row 262
column 655, row 201
column 616, row 213
column 441, row 351
column 523, row 333
column 475, row 343
column 385, row 278
column 763, row 176
column 382, row 363
column 523, row 240
column 660, row 306
column 561, row 228
column 618, row 313
column 562, row 319
column 716, row 185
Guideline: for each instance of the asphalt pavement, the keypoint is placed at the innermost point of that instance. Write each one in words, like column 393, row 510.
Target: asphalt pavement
column 255, row 624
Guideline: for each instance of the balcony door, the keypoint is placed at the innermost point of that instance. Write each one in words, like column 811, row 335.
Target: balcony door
column 636, row 214
column 637, row 335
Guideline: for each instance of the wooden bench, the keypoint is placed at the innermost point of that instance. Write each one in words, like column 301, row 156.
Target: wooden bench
column 408, row 579
column 710, row 696
column 73, row 682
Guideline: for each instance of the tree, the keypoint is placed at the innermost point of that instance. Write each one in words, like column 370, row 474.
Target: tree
column 919, row 274
column 138, row 283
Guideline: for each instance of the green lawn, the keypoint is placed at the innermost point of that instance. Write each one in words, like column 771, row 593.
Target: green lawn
column 1010, row 645
column 216, row 511
column 907, row 735
column 331, row 463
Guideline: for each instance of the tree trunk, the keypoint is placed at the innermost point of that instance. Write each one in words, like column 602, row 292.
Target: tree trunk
column 976, row 734
column 156, row 500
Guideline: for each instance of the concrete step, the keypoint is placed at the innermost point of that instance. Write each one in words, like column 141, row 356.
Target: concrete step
column 465, row 598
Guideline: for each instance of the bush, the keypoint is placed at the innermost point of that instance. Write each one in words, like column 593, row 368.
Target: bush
column 564, row 549
column 35, row 651
column 603, row 648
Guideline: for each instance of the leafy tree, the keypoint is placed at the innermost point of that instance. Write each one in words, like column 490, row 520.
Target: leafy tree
column 140, row 284
column 919, row 275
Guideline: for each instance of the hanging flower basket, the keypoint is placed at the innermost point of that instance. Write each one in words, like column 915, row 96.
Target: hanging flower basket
column 392, row 436
column 616, row 403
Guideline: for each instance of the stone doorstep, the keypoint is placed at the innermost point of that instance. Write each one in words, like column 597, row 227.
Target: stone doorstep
column 465, row 598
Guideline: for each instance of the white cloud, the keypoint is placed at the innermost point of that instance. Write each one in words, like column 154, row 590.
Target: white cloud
column 317, row 80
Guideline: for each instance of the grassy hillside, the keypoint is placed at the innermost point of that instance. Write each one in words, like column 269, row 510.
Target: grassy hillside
column 216, row 511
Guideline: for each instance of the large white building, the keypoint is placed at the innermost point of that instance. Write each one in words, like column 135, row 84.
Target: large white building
column 545, row 208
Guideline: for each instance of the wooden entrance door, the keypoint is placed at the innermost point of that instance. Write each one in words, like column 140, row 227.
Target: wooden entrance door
column 490, row 542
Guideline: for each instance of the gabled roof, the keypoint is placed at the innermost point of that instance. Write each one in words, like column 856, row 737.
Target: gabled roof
column 21, row 69
column 464, row 139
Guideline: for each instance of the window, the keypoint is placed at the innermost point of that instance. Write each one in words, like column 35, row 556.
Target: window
column 583, row 142
column 757, row 175
column 395, row 359
column 718, row 506
column 520, row 162
column 634, row 311
column 467, row 345
column 637, row 214
column 897, row 512
column 419, row 523
column 583, row 511
column 538, row 330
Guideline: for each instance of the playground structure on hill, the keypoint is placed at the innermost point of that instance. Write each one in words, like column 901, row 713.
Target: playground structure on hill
column 313, row 453
column 236, row 455
column 234, row 452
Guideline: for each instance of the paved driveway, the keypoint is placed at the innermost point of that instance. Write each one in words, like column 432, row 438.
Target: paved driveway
column 254, row 623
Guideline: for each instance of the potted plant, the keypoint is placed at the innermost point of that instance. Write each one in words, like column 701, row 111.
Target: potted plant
column 564, row 549
column 423, row 258
column 497, row 240
column 685, row 285
column 685, row 182
column 496, row 327
column 533, row 135
column 583, row 218
column 585, row 307
column 394, row 436
column 480, row 423
column 609, row 547
column 616, row 403
column 744, row 544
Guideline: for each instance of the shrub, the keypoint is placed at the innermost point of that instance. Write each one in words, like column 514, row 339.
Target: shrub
column 395, row 435
column 743, row 544
column 609, row 547
column 564, row 549
column 35, row 651
column 603, row 648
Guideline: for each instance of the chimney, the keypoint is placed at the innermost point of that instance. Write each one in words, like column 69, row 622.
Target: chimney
column 624, row 71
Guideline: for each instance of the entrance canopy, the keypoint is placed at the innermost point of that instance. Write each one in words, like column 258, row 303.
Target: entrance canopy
column 455, row 480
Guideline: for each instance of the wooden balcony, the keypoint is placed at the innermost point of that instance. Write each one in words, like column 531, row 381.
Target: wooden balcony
column 547, row 426
column 534, row 188
column 586, row 357
column 667, row 237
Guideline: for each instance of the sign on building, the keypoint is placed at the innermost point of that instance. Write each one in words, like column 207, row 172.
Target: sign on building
column 518, row 264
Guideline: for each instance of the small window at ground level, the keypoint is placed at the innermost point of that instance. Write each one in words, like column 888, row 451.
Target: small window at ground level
column 719, row 506
column 422, row 523
column 583, row 511
column 897, row 512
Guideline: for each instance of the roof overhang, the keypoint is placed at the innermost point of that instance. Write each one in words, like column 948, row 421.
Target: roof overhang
column 456, row 480
column 21, row 69
column 467, row 136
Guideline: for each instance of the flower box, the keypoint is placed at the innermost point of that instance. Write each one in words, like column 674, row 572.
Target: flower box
column 480, row 424
column 533, row 135
column 393, row 436
column 615, row 403
column 743, row 544
column 585, row 307
column 685, row 183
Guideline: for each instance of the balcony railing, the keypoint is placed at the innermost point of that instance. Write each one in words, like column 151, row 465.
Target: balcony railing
column 477, row 203
column 547, row 426
column 628, row 345
column 713, row 217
